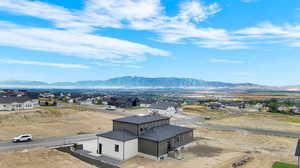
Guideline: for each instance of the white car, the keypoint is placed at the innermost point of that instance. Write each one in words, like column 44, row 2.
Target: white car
column 22, row 138
column 111, row 108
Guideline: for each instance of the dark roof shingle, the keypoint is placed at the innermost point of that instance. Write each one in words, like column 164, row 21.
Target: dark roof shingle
column 164, row 132
column 9, row 100
column 118, row 135
column 137, row 119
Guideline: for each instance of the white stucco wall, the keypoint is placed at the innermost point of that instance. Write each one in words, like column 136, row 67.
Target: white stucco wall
column 127, row 149
column 131, row 149
column 108, row 148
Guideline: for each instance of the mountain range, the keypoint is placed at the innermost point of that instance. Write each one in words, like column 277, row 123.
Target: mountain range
column 128, row 81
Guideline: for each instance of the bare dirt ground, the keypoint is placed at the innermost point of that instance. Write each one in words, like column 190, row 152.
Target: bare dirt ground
column 269, row 123
column 136, row 111
column 219, row 149
column 37, row 158
column 49, row 122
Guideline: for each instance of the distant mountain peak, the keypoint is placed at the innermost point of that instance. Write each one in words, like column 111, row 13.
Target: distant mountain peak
column 131, row 81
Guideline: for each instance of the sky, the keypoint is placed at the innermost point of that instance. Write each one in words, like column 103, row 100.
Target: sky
column 236, row 41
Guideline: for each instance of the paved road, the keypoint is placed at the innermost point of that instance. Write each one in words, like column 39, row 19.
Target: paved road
column 46, row 142
column 181, row 119
column 103, row 110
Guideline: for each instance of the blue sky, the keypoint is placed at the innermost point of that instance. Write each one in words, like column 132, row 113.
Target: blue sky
column 232, row 41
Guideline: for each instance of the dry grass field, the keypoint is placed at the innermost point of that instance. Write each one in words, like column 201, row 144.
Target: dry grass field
column 264, row 95
column 219, row 149
column 278, row 123
column 202, row 110
column 40, row 158
column 47, row 122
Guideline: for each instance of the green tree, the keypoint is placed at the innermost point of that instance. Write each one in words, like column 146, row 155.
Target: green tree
column 99, row 102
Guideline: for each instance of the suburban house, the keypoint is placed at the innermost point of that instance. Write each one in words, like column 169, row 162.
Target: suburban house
column 47, row 101
column 123, row 102
column 164, row 108
column 17, row 103
column 146, row 102
column 215, row 106
column 147, row 135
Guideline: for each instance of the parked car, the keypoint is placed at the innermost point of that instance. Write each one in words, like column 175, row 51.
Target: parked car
column 22, row 138
column 207, row 118
column 111, row 108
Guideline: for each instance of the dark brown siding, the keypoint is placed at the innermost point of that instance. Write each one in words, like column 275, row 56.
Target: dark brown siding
column 148, row 147
column 121, row 126
column 162, row 147
column 175, row 142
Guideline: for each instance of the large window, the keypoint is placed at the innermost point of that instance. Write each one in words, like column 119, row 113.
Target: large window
column 116, row 148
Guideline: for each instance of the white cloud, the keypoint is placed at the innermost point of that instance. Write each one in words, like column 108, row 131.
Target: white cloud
column 75, row 39
column 73, row 32
column 227, row 61
column 57, row 14
column 132, row 14
column 120, row 65
column 183, row 28
column 124, row 9
column 58, row 65
column 134, row 66
column 73, row 43
column 196, row 11
column 286, row 34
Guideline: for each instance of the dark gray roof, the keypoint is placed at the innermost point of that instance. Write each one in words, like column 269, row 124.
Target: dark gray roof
column 8, row 100
column 297, row 153
column 118, row 135
column 164, row 132
column 139, row 119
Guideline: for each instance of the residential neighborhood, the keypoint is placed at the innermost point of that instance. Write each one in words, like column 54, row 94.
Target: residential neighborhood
column 149, row 84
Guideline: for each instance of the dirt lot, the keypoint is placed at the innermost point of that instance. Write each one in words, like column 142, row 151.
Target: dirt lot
column 37, row 158
column 211, row 149
column 219, row 149
column 269, row 123
column 53, row 122
column 202, row 110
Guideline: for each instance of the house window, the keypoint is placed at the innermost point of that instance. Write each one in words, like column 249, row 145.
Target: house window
column 116, row 148
column 178, row 139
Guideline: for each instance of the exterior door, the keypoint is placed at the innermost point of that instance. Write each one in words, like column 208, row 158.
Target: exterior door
column 100, row 149
column 169, row 146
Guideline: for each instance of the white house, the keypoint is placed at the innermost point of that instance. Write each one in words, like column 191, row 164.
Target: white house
column 145, row 105
column 164, row 108
column 17, row 103
column 88, row 101
column 122, row 146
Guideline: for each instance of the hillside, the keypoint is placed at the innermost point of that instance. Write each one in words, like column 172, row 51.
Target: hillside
column 129, row 81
